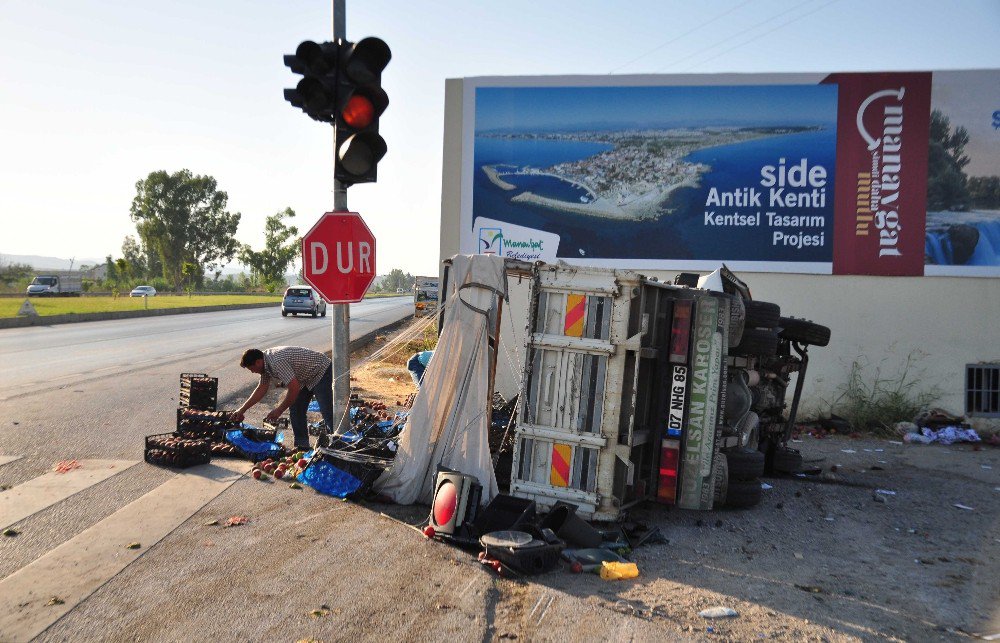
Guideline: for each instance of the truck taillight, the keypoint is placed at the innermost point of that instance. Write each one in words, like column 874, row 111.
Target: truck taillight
column 680, row 331
column 666, row 488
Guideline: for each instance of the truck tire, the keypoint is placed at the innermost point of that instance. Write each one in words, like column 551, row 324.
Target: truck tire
column 737, row 319
column 757, row 341
column 805, row 332
column 721, row 482
column 743, row 494
column 745, row 464
column 762, row 314
column 786, row 460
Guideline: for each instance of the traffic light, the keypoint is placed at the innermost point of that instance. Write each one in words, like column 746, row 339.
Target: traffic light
column 341, row 85
column 316, row 93
column 361, row 100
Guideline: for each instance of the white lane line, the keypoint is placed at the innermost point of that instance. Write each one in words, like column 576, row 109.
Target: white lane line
column 76, row 569
column 5, row 459
column 46, row 490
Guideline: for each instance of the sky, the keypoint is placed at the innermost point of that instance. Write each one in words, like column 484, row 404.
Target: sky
column 96, row 95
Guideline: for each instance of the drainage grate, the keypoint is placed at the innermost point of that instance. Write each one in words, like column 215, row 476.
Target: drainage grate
column 982, row 390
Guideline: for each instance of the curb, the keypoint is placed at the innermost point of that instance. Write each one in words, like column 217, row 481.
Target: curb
column 21, row 322
column 369, row 337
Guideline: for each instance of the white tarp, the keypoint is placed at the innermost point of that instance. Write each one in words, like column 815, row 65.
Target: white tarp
column 449, row 424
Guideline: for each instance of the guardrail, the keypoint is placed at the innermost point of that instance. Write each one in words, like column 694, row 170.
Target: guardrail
column 12, row 295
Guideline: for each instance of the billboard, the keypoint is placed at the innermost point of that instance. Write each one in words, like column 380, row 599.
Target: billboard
column 892, row 173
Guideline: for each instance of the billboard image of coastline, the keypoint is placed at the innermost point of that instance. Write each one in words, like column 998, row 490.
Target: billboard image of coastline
column 779, row 173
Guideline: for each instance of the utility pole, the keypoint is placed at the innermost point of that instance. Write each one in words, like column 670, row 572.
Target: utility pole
column 341, row 314
column 341, row 85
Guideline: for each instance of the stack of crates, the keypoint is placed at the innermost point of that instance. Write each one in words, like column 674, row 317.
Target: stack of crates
column 199, row 391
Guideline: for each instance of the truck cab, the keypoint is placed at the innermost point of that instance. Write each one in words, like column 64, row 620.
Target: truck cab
column 48, row 285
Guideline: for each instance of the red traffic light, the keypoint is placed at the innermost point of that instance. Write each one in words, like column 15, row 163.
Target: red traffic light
column 358, row 112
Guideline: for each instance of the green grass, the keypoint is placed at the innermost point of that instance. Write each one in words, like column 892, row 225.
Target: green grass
column 64, row 305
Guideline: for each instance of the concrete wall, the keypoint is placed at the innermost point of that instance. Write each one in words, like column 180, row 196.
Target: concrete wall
column 941, row 323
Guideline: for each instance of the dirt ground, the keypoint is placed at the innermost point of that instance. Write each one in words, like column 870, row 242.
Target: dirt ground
column 889, row 541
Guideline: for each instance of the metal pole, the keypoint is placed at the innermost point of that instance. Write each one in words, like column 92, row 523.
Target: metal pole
column 341, row 314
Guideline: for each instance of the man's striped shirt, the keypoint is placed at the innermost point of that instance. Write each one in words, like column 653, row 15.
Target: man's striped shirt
column 282, row 363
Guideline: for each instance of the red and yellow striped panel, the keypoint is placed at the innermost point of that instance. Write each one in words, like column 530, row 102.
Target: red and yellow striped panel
column 559, row 475
column 576, row 306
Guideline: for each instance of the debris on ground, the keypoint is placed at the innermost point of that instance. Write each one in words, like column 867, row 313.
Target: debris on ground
column 718, row 612
column 237, row 520
column 66, row 466
column 945, row 435
column 133, row 546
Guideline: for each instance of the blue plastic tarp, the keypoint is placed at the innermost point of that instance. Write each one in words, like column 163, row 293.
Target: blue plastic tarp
column 326, row 478
column 250, row 447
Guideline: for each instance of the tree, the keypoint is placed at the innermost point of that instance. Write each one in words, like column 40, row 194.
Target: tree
column 946, row 182
column 183, row 218
column 281, row 246
column 134, row 256
column 395, row 280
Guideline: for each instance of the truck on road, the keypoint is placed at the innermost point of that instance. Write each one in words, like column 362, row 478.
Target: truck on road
column 50, row 285
column 425, row 295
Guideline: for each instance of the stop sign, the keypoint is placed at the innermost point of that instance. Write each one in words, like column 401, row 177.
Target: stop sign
column 338, row 257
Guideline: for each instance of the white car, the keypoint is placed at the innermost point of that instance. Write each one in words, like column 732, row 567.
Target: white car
column 143, row 291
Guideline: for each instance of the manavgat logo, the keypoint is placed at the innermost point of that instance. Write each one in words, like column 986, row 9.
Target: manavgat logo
column 882, row 185
column 491, row 241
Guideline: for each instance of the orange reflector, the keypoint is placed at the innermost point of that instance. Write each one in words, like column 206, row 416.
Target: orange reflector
column 680, row 332
column 666, row 489
column 559, row 474
column 576, row 306
column 358, row 112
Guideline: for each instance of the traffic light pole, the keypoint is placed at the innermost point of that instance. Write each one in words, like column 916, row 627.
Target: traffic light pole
column 341, row 313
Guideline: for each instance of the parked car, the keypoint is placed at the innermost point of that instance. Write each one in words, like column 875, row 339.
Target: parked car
column 302, row 299
column 143, row 291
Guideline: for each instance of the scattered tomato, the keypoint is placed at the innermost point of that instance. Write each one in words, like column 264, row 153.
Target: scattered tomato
column 302, row 463
column 429, row 531
column 256, row 474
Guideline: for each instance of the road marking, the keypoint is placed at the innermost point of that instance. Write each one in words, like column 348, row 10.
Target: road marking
column 46, row 490
column 76, row 569
column 4, row 459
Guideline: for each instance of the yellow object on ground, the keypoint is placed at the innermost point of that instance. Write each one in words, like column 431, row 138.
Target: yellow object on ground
column 611, row 570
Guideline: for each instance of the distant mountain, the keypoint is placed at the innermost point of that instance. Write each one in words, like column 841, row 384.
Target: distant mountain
column 39, row 262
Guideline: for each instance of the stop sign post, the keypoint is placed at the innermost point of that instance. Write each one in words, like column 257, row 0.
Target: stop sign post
column 338, row 257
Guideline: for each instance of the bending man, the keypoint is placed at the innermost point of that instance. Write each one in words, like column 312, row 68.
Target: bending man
column 305, row 374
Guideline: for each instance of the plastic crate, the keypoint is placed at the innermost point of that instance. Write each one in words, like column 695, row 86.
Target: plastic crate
column 180, row 460
column 193, row 445
column 199, row 391
column 251, row 448
column 190, row 420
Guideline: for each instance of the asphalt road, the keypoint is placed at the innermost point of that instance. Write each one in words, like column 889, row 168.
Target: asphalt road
column 48, row 357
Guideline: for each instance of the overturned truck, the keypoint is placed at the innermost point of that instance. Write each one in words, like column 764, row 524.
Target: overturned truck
column 635, row 389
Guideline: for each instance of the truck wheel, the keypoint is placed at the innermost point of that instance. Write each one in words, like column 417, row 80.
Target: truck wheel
column 757, row 341
column 762, row 314
column 745, row 464
column 721, row 482
column 806, row 332
column 743, row 494
column 737, row 319
column 786, row 460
